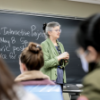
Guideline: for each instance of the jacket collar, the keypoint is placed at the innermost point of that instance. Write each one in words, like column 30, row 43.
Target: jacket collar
column 54, row 50
column 31, row 75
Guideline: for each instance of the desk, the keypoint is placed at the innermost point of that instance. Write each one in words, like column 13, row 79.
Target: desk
column 72, row 91
column 77, row 92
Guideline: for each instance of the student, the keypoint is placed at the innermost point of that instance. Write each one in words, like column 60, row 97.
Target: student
column 88, row 38
column 31, row 60
column 9, row 90
column 55, row 57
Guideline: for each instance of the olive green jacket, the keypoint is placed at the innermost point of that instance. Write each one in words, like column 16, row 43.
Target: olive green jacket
column 50, row 59
column 91, row 84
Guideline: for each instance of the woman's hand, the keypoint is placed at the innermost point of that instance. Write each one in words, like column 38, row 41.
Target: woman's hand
column 66, row 59
column 64, row 55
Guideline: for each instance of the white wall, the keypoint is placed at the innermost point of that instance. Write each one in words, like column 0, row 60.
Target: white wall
column 59, row 7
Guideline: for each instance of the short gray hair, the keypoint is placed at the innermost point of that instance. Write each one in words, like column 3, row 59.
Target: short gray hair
column 49, row 27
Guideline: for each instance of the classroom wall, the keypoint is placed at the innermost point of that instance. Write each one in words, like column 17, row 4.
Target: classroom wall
column 56, row 7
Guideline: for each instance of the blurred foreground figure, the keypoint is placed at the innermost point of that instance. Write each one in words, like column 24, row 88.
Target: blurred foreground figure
column 88, row 39
column 9, row 90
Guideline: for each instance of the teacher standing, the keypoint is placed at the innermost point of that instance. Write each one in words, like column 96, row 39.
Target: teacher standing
column 55, row 57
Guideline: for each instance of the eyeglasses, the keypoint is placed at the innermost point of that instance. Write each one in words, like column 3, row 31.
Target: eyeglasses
column 57, row 30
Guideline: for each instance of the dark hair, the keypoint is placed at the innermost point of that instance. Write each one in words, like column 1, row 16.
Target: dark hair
column 32, row 56
column 44, row 26
column 89, row 33
column 6, row 83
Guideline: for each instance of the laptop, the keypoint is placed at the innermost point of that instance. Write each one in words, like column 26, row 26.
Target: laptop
column 46, row 92
column 71, row 87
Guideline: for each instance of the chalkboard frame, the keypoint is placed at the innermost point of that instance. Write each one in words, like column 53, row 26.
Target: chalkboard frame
column 40, row 14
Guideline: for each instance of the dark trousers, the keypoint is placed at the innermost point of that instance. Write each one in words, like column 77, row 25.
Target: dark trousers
column 61, row 85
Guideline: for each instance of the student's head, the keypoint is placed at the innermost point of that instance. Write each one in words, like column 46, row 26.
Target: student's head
column 52, row 30
column 31, row 58
column 6, row 83
column 88, row 38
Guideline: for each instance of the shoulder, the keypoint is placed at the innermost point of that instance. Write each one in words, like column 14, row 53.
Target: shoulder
column 91, row 85
column 44, row 43
column 93, row 76
column 38, row 82
column 48, row 82
column 92, row 81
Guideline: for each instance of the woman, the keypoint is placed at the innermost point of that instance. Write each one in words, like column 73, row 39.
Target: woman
column 88, row 38
column 9, row 90
column 55, row 57
column 31, row 60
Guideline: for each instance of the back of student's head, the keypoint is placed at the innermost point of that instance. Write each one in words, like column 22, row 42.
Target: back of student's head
column 6, row 83
column 32, row 56
column 89, row 33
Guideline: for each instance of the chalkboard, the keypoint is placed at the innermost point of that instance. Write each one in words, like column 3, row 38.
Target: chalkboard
column 18, row 29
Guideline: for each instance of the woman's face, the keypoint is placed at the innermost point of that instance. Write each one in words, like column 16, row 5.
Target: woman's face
column 55, row 32
column 90, row 54
column 87, row 56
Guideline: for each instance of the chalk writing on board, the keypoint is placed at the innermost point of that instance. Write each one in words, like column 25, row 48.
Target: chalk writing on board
column 3, row 40
column 3, row 56
column 18, row 48
column 12, row 55
column 13, row 41
column 11, row 50
column 33, row 32
column 4, row 48
column 23, row 41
